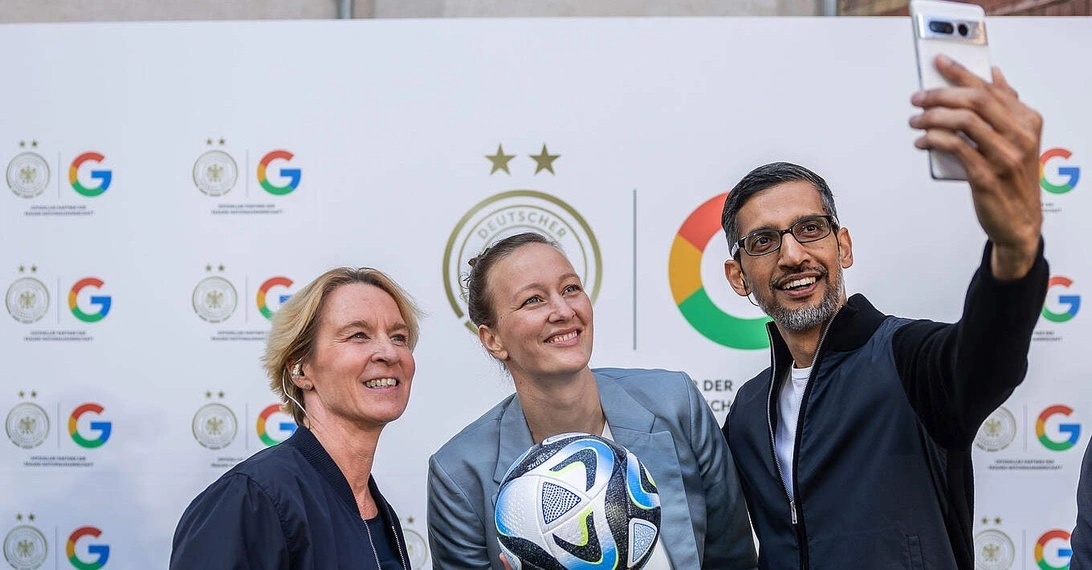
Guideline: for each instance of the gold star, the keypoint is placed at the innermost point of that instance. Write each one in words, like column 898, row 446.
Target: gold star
column 985, row 520
column 22, row 144
column 33, row 268
column 544, row 161
column 997, row 520
column 208, row 394
column 19, row 516
column 409, row 520
column 33, row 144
column 33, row 394
column 208, row 142
column 31, row 517
column 221, row 267
column 500, row 160
column 208, row 267
column 221, row 394
column 22, row 268
column 222, row 141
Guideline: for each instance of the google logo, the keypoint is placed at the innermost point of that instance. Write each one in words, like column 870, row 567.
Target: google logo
column 292, row 174
column 1071, row 173
column 102, row 428
column 1061, row 553
column 103, row 177
column 101, row 552
column 684, row 273
column 100, row 302
column 263, row 292
column 287, row 427
column 1071, row 302
column 1071, row 432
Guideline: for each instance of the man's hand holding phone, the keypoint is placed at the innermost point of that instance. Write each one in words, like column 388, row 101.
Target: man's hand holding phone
column 1002, row 164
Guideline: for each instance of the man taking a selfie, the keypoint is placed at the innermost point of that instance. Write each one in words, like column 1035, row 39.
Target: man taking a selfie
column 854, row 447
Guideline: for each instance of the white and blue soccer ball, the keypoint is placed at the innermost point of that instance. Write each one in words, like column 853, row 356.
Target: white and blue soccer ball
column 577, row 501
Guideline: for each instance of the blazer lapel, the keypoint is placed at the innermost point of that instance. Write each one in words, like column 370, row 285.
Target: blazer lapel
column 514, row 441
column 633, row 426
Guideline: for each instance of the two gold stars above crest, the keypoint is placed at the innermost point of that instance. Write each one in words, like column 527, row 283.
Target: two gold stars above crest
column 543, row 160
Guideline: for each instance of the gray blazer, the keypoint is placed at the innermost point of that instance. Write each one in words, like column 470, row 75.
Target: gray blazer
column 658, row 415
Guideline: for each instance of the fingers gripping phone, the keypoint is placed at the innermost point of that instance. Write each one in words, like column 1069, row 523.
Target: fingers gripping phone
column 958, row 31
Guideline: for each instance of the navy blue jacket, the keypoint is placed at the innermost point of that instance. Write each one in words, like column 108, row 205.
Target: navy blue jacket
column 1081, row 540
column 286, row 507
column 882, row 473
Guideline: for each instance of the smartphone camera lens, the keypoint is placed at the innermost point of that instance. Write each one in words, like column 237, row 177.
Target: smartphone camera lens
column 963, row 30
column 941, row 27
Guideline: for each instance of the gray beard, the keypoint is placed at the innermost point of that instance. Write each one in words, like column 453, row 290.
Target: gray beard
column 804, row 318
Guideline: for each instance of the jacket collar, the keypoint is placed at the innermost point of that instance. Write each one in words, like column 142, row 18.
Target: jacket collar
column 853, row 325
column 312, row 450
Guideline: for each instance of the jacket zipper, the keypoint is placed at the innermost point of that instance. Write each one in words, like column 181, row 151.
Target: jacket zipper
column 397, row 541
column 801, row 533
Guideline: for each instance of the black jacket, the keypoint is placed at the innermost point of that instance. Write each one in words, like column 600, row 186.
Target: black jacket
column 1081, row 540
column 882, row 471
column 286, row 507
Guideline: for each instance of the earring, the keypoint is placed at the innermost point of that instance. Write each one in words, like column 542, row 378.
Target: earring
column 306, row 386
column 297, row 370
column 747, row 288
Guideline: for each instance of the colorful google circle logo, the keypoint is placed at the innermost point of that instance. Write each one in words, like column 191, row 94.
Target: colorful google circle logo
column 684, row 273
column 265, row 422
column 1070, row 431
column 1061, row 552
column 1071, row 303
column 102, row 429
column 101, row 552
column 291, row 174
column 263, row 294
column 1071, row 173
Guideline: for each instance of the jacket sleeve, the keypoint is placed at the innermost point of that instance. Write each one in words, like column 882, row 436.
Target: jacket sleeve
column 1081, row 540
column 456, row 536
column 233, row 525
column 729, row 544
column 956, row 375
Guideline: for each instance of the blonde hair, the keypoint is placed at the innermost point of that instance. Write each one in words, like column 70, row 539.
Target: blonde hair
column 292, row 338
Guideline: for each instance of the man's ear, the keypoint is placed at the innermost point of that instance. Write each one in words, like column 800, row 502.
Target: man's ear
column 492, row 343
column 845, row 248
column 733, row 271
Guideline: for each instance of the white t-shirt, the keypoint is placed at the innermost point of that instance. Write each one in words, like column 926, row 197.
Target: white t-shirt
column 788, row 412
column 658, row 560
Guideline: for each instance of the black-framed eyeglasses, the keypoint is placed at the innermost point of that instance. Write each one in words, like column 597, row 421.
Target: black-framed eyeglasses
column 805, row 230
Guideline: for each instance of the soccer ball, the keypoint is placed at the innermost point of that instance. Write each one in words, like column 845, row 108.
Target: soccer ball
column 577, row 501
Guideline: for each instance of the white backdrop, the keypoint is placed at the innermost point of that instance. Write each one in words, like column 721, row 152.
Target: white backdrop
column 393, row 130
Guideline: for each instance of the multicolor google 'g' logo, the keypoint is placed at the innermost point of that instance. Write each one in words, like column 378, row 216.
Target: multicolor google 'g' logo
column 103, row 177
column 102, row 429
column 1071, row 303
column 101, row 552
column 1071, row 173
column 263, row 292
column 1061, row 553
column 286, row 428
column 1070, row 432
column 684, row 272
column 292, row 174
column 99, row 302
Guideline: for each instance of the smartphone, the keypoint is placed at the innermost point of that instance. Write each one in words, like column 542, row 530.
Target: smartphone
column 958, row 31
